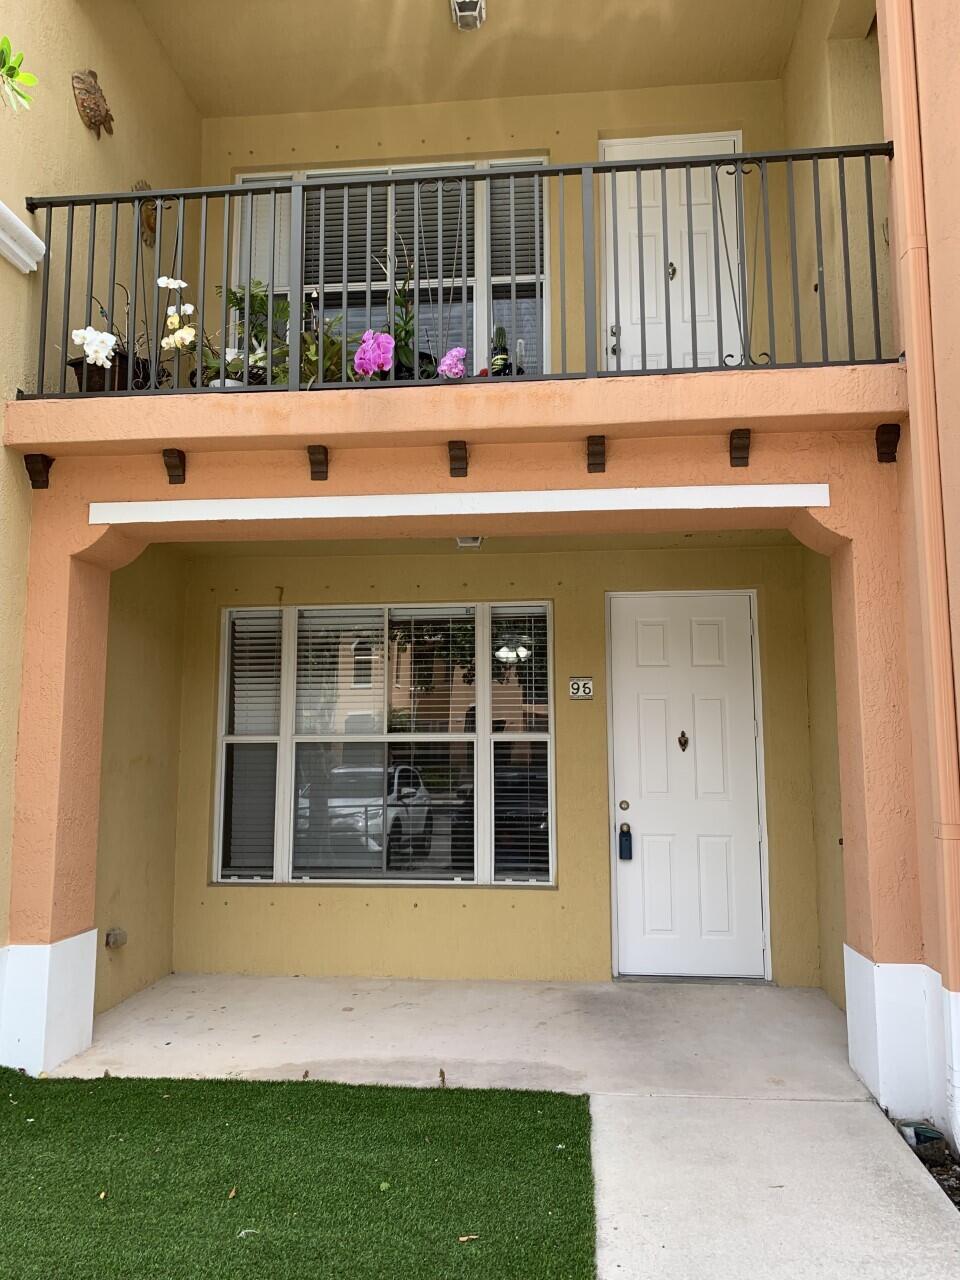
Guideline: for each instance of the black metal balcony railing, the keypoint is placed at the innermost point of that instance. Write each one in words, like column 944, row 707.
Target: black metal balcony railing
column 526, row 272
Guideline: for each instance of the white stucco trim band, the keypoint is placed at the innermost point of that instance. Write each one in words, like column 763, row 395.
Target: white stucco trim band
column 19, row 244
column 903, row 1031
column 702, row 497
column 46, row 1001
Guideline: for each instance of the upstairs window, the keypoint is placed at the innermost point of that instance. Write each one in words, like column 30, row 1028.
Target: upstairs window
column 472, row 252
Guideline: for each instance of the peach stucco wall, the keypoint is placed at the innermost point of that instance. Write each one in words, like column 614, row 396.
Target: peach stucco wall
column 916, row 43
column 57, row 782
column 48, row 151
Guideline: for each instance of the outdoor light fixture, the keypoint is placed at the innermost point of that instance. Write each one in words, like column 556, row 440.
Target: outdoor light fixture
column 514, row 649
column 473, row 543
column 468, row 14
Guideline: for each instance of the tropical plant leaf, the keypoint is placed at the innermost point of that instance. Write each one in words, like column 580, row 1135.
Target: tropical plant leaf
column 4, row 50
column 27, row 78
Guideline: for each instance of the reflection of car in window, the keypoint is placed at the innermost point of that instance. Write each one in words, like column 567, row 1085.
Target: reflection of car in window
column 340, row 823
column 521, row 823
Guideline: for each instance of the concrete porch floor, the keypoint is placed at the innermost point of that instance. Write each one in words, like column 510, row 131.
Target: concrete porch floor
column 730, row 1137
column 627, row 1037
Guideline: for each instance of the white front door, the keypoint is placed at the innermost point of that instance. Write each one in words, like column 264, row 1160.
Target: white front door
column 648, row 317
column 685, row 766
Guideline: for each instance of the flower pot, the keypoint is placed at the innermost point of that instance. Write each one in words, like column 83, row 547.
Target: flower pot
column 113, row 379
column 500, row 364
column 224, row 382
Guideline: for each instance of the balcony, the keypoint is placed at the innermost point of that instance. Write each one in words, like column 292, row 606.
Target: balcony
column 506, row 271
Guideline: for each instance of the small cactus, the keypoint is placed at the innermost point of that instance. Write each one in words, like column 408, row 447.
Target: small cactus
column 499, row 338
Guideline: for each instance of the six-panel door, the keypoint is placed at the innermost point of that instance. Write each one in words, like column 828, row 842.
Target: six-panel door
column 689, row 901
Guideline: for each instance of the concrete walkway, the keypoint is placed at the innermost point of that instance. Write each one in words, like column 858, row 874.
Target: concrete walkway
column 730, row 1138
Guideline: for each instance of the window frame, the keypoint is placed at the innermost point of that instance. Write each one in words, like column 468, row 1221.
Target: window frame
column 286, row 739
column 485, row 167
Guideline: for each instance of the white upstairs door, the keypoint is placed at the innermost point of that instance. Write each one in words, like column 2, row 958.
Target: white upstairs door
column 686, row 782
column 649, row 317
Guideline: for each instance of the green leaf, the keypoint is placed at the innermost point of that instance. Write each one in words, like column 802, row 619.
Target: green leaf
column 27, row 77
column 5, row 51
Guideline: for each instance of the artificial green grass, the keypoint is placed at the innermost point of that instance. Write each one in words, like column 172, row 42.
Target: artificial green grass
column 118, row 1179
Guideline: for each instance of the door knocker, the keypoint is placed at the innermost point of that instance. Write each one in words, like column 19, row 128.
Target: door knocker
column 683, row 740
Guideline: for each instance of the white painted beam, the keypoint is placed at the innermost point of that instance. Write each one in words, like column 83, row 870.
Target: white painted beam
column 704, row 497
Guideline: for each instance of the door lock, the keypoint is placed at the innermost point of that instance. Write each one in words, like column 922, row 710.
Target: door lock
column 671, row 271
column 625, row 843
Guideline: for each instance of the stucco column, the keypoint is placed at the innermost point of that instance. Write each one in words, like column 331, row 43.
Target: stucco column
column 47, row 974
column 902, row 26
column 884, row 946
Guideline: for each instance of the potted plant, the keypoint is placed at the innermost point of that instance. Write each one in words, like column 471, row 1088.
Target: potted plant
column 404, row 329
column 500, row 366
column 107, row 356
column 112, row 362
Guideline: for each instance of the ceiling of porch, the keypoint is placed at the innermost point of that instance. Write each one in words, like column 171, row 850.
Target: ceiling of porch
column 239, row 57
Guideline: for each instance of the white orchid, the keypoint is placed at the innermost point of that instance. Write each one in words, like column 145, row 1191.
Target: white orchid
column 188, row 308
column 173, row 320
column 97, row 345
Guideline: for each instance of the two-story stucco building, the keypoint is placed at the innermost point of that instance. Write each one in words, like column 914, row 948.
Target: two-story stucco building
column 529, row 554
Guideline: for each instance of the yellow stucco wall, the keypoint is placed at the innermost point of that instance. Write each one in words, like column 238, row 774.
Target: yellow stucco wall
column 831, row 97
column 47, row 151
column 448, row 931
column 565, row 127
column 825, row 771
column 138, row 789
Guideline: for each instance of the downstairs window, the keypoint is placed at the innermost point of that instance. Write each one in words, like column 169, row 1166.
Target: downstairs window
column 398, row 743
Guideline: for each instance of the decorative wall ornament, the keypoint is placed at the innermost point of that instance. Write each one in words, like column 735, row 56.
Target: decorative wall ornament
column 148, row 215
column 91, row 103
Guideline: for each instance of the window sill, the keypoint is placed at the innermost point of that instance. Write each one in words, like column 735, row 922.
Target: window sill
column 318, row 882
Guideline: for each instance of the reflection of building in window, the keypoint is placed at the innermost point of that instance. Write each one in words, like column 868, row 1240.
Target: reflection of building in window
column 432, row 658
column 362, row 665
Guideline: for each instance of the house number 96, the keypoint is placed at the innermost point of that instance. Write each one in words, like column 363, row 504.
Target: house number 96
column 581, row 687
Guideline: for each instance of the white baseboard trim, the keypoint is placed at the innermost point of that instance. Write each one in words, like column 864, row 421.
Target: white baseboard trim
column 903, row 1032
column 46, row 1001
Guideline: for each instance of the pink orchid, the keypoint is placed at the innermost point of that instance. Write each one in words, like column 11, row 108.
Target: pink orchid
column 374, row 354
column 451, row 366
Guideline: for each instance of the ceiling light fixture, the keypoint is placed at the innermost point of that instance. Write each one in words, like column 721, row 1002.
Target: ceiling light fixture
column 468, row 14
column 473, row 543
